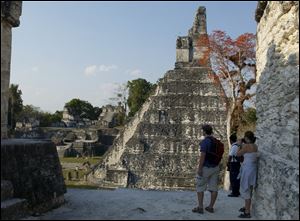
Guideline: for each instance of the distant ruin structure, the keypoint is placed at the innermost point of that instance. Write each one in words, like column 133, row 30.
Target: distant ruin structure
column 159, row 147
column 108, row 117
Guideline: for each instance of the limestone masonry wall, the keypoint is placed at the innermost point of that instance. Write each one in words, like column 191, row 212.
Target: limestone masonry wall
column 277, row 103
column 34, row 170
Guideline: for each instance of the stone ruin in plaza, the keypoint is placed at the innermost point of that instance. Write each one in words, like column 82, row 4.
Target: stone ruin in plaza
column 159, row 147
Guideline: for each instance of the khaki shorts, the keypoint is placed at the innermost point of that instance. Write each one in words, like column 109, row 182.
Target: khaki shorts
column 208, row 180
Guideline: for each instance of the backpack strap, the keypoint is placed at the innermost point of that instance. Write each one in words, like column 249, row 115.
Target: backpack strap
column 212, row 151
column 213, row 144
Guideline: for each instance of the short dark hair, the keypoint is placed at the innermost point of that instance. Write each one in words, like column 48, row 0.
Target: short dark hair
column 207, row 129
column 233, row 138
column 250, row 136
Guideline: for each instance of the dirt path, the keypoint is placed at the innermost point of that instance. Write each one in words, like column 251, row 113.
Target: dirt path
column 140, row 205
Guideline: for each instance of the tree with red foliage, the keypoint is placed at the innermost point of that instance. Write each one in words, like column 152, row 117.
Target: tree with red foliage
column 234, row 66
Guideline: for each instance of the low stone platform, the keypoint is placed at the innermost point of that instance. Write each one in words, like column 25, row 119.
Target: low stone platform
column 31, row 171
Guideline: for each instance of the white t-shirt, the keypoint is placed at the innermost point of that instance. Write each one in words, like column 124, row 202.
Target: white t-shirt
column 233, row 151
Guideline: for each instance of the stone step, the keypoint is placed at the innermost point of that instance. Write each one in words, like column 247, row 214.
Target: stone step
column 14, row 208
column 187, row 88
column 105, row 183
column 110, row 185
column 7, row 190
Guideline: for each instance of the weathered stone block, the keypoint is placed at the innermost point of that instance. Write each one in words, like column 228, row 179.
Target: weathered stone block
column 35, row 172
column 182, row 55
column 13, row 209
column 7, row 190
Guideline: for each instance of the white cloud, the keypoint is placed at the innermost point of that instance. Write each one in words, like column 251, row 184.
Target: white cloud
column 35, row 69
column 104, row 68
column 92, row 70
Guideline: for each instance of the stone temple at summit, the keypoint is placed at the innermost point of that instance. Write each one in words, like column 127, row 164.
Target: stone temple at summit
column 159, row 147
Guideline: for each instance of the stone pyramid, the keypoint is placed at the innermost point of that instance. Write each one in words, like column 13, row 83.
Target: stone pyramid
column 159, row 147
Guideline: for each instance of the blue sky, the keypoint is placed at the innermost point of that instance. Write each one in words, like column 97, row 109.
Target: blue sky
column 65, row 50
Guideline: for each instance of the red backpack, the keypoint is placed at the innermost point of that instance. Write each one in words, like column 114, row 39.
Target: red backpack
column 215, row 153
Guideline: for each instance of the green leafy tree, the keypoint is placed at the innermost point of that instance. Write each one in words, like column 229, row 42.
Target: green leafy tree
column 45, row 119
column 139, row 91
column 29, row 111
column 97, row 112
column 121, row 118
column 15, row 104
column 81, row 108
column 57, row 116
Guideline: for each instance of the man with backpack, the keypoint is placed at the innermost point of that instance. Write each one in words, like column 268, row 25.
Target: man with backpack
column 211, row 151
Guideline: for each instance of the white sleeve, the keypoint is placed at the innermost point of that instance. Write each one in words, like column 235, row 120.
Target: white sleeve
column 233, row 150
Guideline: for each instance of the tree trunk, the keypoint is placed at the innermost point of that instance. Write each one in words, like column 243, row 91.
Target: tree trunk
column 226, row 184
column 236, row 116
column 229, row 120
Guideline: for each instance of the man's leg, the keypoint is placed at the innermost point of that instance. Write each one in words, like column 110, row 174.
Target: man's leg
column 201, row 183
column 213, row 198
column 213, row 188
column 231, row 182
column 238, row 186
column 235, row 183
column 200, row 196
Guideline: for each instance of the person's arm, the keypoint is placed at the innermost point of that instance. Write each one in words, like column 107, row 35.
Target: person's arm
column 232, row 152
column 203, row 149
column 201, row 162
column 228, row 160
column 244, row 149
column 239, row 142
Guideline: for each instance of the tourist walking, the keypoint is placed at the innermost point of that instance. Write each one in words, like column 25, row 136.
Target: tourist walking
column 208, row 169
column 234, row 164
column 248, row 171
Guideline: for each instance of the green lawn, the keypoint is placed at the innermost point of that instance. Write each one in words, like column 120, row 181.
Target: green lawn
column 76, row 184
column 92, row 160
column 81, row 173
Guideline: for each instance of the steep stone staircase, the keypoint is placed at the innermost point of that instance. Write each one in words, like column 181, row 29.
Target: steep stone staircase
column 158, row 149
column 11, row 208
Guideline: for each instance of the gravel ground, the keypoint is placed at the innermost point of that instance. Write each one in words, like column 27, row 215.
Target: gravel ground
column 137, row 204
